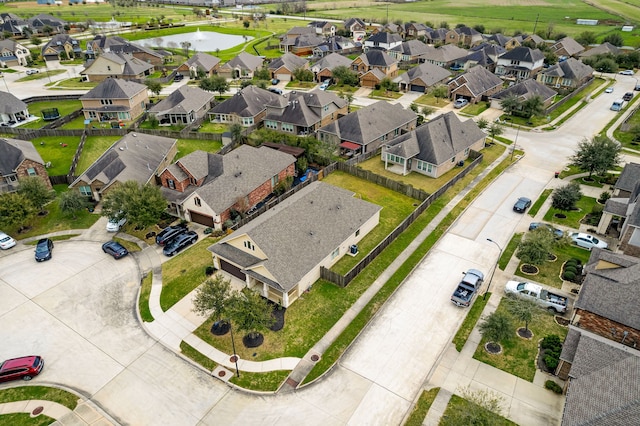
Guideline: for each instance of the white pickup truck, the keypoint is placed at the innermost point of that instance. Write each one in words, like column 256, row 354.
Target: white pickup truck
column 541, row 296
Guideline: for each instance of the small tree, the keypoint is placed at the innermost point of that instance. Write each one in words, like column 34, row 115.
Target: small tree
column 71, row 202
column 482, row 123
column 154, row 86
column 510, row 104
column 345, row 76
column 212, row 298
column 142, row 205
column 440, row 91
column 15, row 209
column 427, row 111
column 251, row 313
column 495, row 130
column 36, row 191
column 533, row 107
column 596, row 155
column 237, row 132
column 496, row 328
column 566, row 197
column 534, row 249
column 522, row 310
column 215, row 84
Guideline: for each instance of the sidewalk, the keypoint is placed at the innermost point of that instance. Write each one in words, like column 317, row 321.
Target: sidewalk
column 85, row 413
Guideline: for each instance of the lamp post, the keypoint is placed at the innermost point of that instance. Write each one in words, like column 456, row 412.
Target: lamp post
column 5, row 82
column 233, row 345
column 494, row 268
column 515, row 142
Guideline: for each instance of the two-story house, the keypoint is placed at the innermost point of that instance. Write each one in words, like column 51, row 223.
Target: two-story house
column 373, row 66
column 465, row 36
column 288, row 40
column 13, row 53
column 567, row 47
column 117, row 65
column 19, row 159
column 443, row 56
column 520, row 63
column 382, row 40
column 356, row 28
column 323, row 28
column 115, row 100
column 409, row 51
column 115, row 44
column 61, row 46
column 247, row 107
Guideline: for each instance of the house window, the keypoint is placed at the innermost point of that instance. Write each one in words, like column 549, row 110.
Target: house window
column 124, row 116
column 395, row 158
column 325, row 108
column 197, row 202
column 383, row 138
column 171, row 183
column 250, row 246
column 466, row 151
column 396, row 132
column 270, row 124
column 335, row 253
column 424, row 166
column 288, row 127
column 85, row 190
column 106, row 101
column 92, row 114
column 247, row 121
column 274, row 180
column 357, row 232
column 193, row 181
column 31, row 171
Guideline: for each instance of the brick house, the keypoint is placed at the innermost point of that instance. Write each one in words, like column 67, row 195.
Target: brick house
column 247, row 107
column 204, row 188
column 283, row 67
column 201, row 61
column 373, row 66
column 19, row 159
column 242, row 66
column 568, row 74
column 475, row 85
column 525, row 90
column 422, row 77
column 443, row 56
column 567, row 47
column 323, row 69
column 61, row 46
column 520, row 63
column 183, row 106
column 115, row 100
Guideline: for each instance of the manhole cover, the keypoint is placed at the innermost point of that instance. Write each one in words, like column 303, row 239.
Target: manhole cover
column 37, row 411
column 315, row 358
column 222, row 373
column 233, row 359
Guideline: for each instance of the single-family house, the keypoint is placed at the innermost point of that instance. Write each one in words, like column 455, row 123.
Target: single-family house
column 283, row 67
column 271, row 254
column 305, row 44
column 12, row 109
column 437, row 36
column 390, row 27
column 422, row 77
column 416, row 30
column 475, row 85
column 302, row 113
column 288, row 40
column 61, row 46
column 115, row 100
column 13, row 53
column 136, row 156
column 373, row 66
column 523, row 91
column 567, row 47
column 200, row 62
column 183, row 106
column 323, row 28
column 534, row 39
column 356, row 29
column 433, row 148
column 117, row 66
column 242, row 66
column 19, row 159
column 520, row 63
column 115, row 44
column 367, row 128
column 43, row 23
column 465, row 36
column 602, row 49
column 206, row 188
column 409, row 51
column 323, row 69
column 247, row 107
column 568, row 74
column 13, row 24
column 337, row 44
column 443, row 56
column 498, row 39
column 382, row 40
column 485, row 55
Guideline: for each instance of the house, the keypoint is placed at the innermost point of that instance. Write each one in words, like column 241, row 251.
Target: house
column 136, row 156
column 600, row 359
column 207, row 188
column 485, row 55
column 10, row 23
column 202, row 62
column 433, row 148
column 115, row 100
column 356, row 28
column 184, row 106
column 465, row 36
column 443, row 56
column 621, row 212
column 323, row 28
column 302, row 113
column 61, row 46
column 534, row 39
column 437, row 36
column 569, row 74
column 45, row 23
column 382, row 40
column 422, row 77
column 115, row 44
column 475, row 85
column 12, row 109
column 117, row 65
column 247, row 107
column 289, row 38
column 305, row 44
column 367, row 128
column 337, row 44
column 498, row 39
column 408, row 51
column 602, row 49
column 13, row 53
column 373, row 66
column 323, row 69
column 523, row 91
column 272, row 255
column 416, row 30
column 520, row 63
column 242, row 66
column 283, row 67
column 19, row 159
column 567, row 47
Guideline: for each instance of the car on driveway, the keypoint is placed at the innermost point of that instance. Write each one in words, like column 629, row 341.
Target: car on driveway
column 180, row 243
column 115, row 224
column 324, row 85
column 460, row 102
column 44, row 249
column 521, row 205
column 24, row 368
column 115, row 249
column 169, row 233
column 558, row 233
column 608, row 90
column 275, row 81
column 6, row 242
column 275, row 90
column 587, row 241
column 627, row 72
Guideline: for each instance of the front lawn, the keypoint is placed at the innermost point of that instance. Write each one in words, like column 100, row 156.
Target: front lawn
column 187, row 146
column 573, row 217
column 45, row 393
column 430, row 100
column 58, row 150
column 460, row 405
column 74, row 83
column 384, row 94
column 477, row 108
column 550, row 272
column 94, row 147
column 518, row 355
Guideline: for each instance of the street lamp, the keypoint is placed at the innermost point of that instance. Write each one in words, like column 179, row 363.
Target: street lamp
column 494, row 268
column 5, row 82
column 515, row 142
column 233, row 345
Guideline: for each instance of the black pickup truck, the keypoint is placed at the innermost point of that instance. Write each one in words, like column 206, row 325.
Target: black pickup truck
column 468, row 287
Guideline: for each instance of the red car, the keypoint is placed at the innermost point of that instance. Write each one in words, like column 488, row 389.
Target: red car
column 21, row 368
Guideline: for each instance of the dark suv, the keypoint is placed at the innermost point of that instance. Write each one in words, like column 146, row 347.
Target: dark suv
column 628, row 96
column 169, row 233
column 23, row 368
column 180, row 242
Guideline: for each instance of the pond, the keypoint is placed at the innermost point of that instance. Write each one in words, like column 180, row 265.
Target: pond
column 201, row 41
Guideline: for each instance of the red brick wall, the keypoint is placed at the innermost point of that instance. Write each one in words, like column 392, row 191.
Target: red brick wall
column 603, row 327
column 180, row 185
column 41, row 171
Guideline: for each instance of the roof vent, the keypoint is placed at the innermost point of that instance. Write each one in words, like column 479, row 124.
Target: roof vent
column 121, row 149
column 134, row 135
column 311, row 233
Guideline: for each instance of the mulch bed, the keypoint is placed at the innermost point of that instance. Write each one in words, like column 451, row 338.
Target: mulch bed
column 253, row 341
column 562, row 321
column 220, row 328
column 493, row 348
column 529, row 269
column 524, row 333
column 277, row 313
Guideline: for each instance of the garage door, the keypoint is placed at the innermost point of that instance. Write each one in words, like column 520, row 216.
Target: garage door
column 232, row 269
column 202, row 219
column 417, row 88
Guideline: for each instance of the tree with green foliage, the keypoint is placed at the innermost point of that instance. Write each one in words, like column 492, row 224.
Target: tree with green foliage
column 566, row 197
column 237, row 132
column 262, row 74
column 522, row 309
column 344, row 75
column 36, row 191
column 35, row 40
column 510, row 104
column 142, row 205
column 614, row 38
column 388, row 85
column 495, row 129
column 440, row 91
column 533, row 107
column 482, row 408
column 496, row 327
column 154, row 86
column 482, row 123
column 302, row 74
column 251, row 313
column 16, row 209
column 586, row 38
column 550, row 58
column 71, row 202
column 215, row 84
column 596, row 155
column 535, row 248
column 212, row 298
column 427, row 110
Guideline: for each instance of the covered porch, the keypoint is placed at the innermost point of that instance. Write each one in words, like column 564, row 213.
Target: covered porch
column 350, row 149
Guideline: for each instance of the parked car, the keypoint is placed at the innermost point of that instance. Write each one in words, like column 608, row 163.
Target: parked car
column 32, row 71
column 44, row 249
column 467, row 288
column 178, row 77
column 627, row 72
column 180, row 243
column 521, row 205
column 551, row 301
column 169, row 233
column 6, row 242
column 587, row 241
column 275, row 81
column 460, row 102
column 115, row 249
column 324, row 85
column 608, row 90
column 637, row 88
column 115, row 224
column 275, row 90
column 24, row 368
column 627, row 96
column 558, row 233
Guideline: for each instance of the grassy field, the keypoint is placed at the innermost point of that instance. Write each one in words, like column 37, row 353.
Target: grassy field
column 187, row 146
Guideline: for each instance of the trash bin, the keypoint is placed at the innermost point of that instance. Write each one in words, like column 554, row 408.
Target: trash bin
column 557, row 174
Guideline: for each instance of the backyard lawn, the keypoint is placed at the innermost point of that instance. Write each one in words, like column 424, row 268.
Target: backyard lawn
column 94, row 147
column 65, row 107
column 187, row 146
column 58, row 150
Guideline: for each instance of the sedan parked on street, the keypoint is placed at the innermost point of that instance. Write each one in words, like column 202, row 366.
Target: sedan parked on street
column 115, row 249
column 180, row 243
column 23, row 368
column 521, row 205
column 6, row 242
column 587, row 241
column 44, row 249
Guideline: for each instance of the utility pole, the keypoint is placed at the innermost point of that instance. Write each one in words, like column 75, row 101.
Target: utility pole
column 536, row 24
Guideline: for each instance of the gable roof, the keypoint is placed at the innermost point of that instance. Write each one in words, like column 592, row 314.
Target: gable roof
column 438, row 140
column 321, row 216
column 572, row 69
column 117, row 44
column 523, row 54
column 377, row 58
column 58, row 41
column 629, row 177
column 602, row 49
column 527, row 89
column 370, row 123
column 183, row 100
column 244, row 60
column 427, row 72
column 289, row 61
column 411, row 47
column 303, row 108
column 477, row 80
column 132, row 65
column 203, row 60
column 446, row 53
column 571, row 46
column 331, row 61
column 384, row 37
column 114, row 88
column 247, row 102
column 13, row 152
column 9, row 104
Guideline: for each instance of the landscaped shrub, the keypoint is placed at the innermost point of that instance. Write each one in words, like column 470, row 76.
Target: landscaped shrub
column 569, row 276
column 604, row 197
column 571, row 269
column 551, row 385
column 209, row 270
column 551, row 341
column 551, row 361
column 551, row 348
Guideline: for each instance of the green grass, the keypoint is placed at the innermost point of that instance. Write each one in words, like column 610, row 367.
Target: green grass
column 509, row 250
column 65, row 107
column 473, row 315
column 93, row 148
column 209, row 127
column 458, row 404
column 26, row 393
column 384, row 94
column 192, row 353
column 421, row 409
column 129, row 245
column 539, row 202
column 72, row 84
column 627, row 138
column 51, row 149
column 25, row 419
column 262, row 382
column 549, row 272
column 75, row 124
column 477, row 108
column 41, row 75
column 54, row 238
column 143, row 299
column 573, row 217
column 187, row 146
column 518, row 355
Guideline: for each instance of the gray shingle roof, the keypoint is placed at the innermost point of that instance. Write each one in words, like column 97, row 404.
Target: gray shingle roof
column 114, row 88
column 570, row 45
column 385, row 37
column 523, row 54
column 628, row 178
column 570, row 345
column 248, row 102
column 604, row 48
column 377, row 58
column 304, row 108
column 370, row 123
column 203, row 60
column 245, row 61
column 13, row 152
column 527, row 89
column 444, row 54
column 331, row 61
column 300, row 232
column 572, row 69
column 201, row 164
column 289, row 61
column 183, row 100
column 427, row 72
column 9, row 104
column 411, row 47
column 478, row 80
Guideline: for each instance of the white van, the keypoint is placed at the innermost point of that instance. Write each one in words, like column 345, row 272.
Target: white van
column 617, row 105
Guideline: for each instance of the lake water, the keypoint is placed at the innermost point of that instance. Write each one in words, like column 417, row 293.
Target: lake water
column 201, row 41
